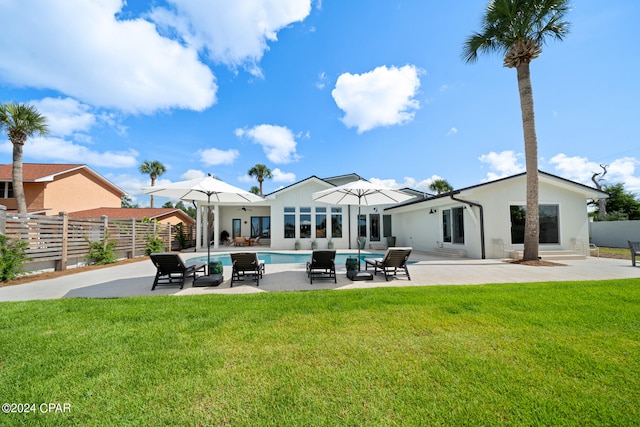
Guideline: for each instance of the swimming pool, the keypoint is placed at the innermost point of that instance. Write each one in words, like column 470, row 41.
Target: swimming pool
column 285, row 258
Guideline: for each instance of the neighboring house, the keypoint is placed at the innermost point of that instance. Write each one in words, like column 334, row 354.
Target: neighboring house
column 171, row 216
column 473, row 220
column 53, row 188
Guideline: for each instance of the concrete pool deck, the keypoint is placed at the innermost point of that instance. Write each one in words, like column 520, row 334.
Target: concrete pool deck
column 135, row 279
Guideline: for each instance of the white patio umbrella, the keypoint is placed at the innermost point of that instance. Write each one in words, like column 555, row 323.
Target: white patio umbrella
column 207, row 189
column 360, row 193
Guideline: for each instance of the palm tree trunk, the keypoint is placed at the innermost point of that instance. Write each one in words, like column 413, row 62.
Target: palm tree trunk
column 532, row 227
column 18, row 188
column 153, row 182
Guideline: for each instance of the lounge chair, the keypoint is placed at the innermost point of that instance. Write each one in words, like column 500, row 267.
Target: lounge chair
column 246, row 264
column 322, row 265
column 394, row 259
column 171, row 270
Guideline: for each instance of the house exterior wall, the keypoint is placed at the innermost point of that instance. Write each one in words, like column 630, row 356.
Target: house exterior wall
column 33, row 195
column 76, row 191
column 417, row 228
column 302, row 196
column 572, row 211
column 228, row 213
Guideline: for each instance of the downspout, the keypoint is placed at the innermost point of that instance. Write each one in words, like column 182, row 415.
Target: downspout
column 484, row 256
column 349, row 223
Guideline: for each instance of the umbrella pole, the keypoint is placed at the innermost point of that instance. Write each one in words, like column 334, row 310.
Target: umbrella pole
column 358, row 233
column 208, row 234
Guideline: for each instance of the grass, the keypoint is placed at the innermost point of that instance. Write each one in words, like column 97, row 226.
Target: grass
column 616, row 251
column 519, row 354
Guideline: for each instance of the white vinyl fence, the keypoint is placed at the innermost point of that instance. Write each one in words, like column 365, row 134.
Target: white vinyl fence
column 614, row 234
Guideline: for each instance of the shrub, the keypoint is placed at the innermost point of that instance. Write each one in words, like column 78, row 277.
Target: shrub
column 13, row 254
column 102, row 252
column 154, row 245
column 180, row 236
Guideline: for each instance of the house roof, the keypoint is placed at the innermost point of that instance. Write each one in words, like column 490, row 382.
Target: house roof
column 589, row 192
column 135, row 213
column 296, row 184
column 47, row 172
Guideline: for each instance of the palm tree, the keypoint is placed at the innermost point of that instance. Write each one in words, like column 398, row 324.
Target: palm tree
column 255, row 190
column 440, row 186
column 261, row 172
column 21, row 121
column 154, row 169
column 518, row 29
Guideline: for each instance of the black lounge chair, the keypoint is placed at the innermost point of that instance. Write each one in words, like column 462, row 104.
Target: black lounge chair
column 246, row 264
column 394, row 259
column 171, row 270
column 322, row 265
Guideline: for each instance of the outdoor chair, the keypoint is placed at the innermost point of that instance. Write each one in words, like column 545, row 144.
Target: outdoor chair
column 225, row 238
column 246, row 264
column 171, row 270
column 634, row 247
column 240, row 241
column 322, row 265
column 394, row 259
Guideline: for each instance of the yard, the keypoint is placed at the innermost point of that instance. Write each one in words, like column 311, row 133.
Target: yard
column 523, row 354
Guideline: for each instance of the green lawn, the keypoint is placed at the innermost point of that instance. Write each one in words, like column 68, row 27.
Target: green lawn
column 522, row 354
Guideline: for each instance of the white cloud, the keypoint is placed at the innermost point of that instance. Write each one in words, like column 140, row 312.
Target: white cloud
column 502, row 164
column 247, row 179
column 280, row 176
column 214, row 157
column 581, row 169
column 79, row 48
column 409, row 182
column 192, row 174
column 63, row 151
column 235, row 33
column 452, row 131
column 382, row 97
column 65, row 116
column 278, row 142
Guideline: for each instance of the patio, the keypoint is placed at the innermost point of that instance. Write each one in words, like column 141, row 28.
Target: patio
column 135, row 279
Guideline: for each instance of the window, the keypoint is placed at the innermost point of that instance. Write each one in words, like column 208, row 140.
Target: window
column 305, row 223
column 446, row 225
column 289, row 223
column 236, row 227
column 374, row 227
column 362, row 225
column 6, row 190
column 321, row 223
column 548, row 217
column 386, row 225
column 453, row 225
column 261, row 227
column 336, row 222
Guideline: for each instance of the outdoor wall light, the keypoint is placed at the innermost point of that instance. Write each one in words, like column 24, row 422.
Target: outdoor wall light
column 433, row 210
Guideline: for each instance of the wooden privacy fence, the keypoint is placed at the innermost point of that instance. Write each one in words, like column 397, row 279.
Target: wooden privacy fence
column 56, row 241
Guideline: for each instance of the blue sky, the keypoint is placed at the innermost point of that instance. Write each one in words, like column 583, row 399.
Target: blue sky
column 316, row 87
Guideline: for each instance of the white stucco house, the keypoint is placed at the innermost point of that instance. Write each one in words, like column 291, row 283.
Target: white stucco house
column 481, row 221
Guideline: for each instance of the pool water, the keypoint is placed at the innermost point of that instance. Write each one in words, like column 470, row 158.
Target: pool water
column 285, row 258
